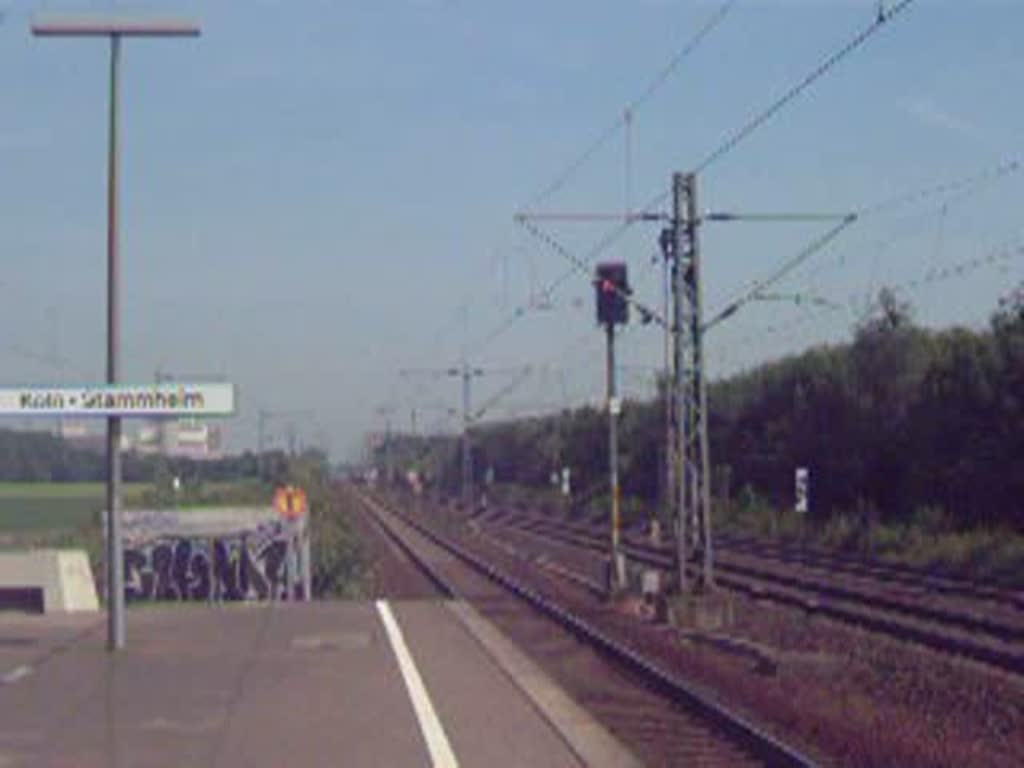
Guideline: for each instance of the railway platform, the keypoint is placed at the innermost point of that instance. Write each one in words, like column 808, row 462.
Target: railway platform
column 373, row 683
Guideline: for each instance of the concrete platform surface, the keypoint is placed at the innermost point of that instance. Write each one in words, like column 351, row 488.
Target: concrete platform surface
column 266, row 685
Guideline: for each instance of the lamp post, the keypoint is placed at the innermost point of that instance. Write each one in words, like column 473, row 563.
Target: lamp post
column 114, row 29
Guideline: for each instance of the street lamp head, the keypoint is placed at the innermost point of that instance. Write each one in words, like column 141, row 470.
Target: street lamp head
column 108, row 26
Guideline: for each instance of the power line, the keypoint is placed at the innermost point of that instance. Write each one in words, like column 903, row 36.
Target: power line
column 1003, row 169
column 520, row 311
column 795, row 91
column 563, row 355
column 728, row 145
column 784, row 269
column 572, row 348
column 656, row 83
column 579, row 265
column 875, row 209
column 762, row 117
column 963, row 187
column 955, row 271
column 757, row 291
column 959, row 189
column 960, row 269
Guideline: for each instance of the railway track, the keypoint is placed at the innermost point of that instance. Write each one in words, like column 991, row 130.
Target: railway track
column 665, row 719
column 918, row 579
column 892, row 573
column 993, row 641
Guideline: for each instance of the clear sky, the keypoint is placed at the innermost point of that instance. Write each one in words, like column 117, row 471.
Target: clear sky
column 319, row 194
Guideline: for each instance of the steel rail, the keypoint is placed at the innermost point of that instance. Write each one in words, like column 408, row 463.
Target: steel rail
column 1007, row 660
column 754, row 739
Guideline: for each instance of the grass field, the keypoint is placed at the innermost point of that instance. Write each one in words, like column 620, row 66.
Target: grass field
column 30, row 508
column 27, row 507
column 64, row 515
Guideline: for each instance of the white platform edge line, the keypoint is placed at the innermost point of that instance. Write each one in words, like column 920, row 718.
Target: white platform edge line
column 441, row 754
column 16, row 674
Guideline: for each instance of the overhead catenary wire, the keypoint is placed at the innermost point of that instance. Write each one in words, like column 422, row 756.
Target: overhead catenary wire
column 874, row 209
column 736, row 138
column 757, row 288
column 956, row 270
column 763, row 116
column 766, row 114
column 958, row 189
column 523, row 309
column 659, row 80
column 526, row 372
column 581, row 266
column 985, row 175
column 829, row 306
column 563, row 355
column 627, row 115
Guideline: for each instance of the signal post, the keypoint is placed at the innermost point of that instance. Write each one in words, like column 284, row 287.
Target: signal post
column 613, row 309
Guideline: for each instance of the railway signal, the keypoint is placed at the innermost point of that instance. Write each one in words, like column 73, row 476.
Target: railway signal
column 612, row 292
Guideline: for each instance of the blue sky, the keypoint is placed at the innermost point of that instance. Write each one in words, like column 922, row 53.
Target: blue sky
column 319, row 194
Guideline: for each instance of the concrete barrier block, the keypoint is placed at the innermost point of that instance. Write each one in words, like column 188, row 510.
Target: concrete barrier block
column 62, row 575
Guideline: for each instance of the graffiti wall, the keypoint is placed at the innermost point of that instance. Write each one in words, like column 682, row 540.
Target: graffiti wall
column 170, row 556
column 239, row 568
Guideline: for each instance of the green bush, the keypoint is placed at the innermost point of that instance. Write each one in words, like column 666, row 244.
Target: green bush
column 932, row 520
column 339, row 564
column 889, row 539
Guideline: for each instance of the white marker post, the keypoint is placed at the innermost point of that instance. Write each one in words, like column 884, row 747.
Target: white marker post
column 802, row 490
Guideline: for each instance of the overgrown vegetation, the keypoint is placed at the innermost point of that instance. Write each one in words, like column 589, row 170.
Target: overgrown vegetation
column 339, row 564
column 914, row 439
column 927, row 540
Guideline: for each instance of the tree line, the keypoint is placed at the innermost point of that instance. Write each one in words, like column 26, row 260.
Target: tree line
column 897, row 420
column 44, row 457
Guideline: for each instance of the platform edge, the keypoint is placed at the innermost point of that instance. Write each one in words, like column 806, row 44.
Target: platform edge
column 589, row 740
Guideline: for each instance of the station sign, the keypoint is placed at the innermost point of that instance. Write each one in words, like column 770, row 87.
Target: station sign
column 171, row 399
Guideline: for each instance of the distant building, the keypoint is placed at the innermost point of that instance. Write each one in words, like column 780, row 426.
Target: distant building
column 83, row 434
column 179, row 439
column 174, row 438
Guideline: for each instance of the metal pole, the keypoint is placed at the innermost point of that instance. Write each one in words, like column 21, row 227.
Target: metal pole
column 261, row 423
column 678, row 193
column 467, row 457
column 211, row 595
column 289, row 567
column 627, row 119
column 669, row 483
column 307, row 559
column 703, row 469
column 613, row 456
column 388, row 468
column 115, row 549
